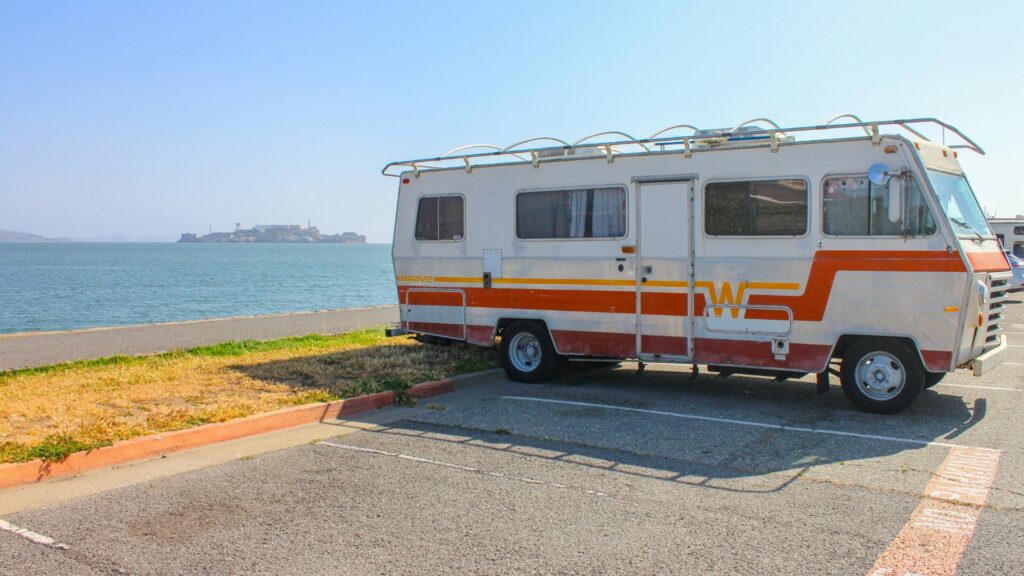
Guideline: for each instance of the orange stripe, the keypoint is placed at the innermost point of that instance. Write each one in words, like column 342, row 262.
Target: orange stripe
column 988, row 261
column 808, row 306
column 433, row 298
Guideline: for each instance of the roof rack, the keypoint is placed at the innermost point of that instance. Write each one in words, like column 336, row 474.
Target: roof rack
column 745, row 131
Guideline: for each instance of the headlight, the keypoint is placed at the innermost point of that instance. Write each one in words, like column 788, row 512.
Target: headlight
column 982, row 293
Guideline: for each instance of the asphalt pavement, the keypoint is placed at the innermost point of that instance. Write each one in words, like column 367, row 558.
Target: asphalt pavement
column 602, row 472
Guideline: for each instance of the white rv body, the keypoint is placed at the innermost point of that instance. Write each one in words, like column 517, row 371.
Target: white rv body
column 1010, row 233
column 663, row 286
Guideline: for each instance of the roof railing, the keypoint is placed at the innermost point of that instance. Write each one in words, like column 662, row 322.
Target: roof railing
column 717, row 137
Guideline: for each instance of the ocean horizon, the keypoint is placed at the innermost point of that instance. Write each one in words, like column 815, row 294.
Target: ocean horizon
column 75, row 285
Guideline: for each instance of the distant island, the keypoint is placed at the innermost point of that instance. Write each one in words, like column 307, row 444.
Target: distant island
column 274, row 233
column 9, row 236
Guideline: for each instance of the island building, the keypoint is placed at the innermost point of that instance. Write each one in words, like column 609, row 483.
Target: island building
column 274, row 233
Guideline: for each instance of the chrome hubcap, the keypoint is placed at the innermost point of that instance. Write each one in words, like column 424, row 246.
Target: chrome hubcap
column 880, row 376
column 524, row 352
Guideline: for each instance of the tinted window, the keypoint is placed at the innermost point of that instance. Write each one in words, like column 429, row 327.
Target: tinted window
column 580, row 213
column 1018, row 230
column 756, row 208
column 853, row 206
column 440, row 218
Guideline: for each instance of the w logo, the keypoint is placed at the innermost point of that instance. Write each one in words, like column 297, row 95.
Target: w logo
column 725, row 296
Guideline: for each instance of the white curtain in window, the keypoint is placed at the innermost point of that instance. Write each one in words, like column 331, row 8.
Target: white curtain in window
column 607, row 213
column 577, row 213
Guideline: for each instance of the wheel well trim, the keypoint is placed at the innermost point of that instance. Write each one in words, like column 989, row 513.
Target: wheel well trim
column 855, row 336
column 506, row 321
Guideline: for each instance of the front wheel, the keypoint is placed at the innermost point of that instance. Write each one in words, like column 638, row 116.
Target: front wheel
column 527, row 353
column 881, row 375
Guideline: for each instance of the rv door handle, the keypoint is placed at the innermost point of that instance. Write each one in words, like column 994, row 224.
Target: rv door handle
column 644, row 279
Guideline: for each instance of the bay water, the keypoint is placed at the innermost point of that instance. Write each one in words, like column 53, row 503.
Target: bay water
column 62, row 286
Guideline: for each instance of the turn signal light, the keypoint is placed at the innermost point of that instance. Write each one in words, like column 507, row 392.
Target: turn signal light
column 889, row 149
column 952, row 309
column 629, row 249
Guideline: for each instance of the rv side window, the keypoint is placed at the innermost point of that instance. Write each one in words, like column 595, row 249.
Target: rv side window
column 580, row 213
column 1018, row 230
column 440, row 218
column 756, row 208
column 853, row 206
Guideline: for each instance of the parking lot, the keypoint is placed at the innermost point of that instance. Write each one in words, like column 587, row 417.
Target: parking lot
column 604, row 471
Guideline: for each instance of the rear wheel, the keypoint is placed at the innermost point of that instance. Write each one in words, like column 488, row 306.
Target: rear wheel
column 881, row 375
column 933, row 378
column 527, row 353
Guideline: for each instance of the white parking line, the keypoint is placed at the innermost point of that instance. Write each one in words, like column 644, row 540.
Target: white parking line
column 750, row 423
column 450, row 465
column 1013, row 363
column 980, row 387
column 30, row 535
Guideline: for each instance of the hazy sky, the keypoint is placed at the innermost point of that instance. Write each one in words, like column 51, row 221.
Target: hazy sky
column 151, row 119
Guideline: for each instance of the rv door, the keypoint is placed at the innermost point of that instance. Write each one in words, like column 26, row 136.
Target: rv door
column 664, row 320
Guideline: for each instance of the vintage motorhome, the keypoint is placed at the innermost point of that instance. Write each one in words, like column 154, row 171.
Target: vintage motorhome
column 757, row 249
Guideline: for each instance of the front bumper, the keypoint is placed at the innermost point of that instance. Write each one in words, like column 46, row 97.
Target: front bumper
column 990, row 359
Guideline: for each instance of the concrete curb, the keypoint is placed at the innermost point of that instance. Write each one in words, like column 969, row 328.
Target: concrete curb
column 164, row 443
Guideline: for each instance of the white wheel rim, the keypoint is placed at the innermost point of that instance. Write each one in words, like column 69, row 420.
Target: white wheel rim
column 880, row 376
column 524, row 352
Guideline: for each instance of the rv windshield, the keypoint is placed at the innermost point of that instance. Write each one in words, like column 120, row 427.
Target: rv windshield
column 958, row 202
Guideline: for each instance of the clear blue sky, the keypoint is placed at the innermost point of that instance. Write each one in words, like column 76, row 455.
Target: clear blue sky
column 150, row 119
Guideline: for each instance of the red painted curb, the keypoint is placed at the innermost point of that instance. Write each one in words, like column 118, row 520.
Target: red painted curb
column 425, row 389
column 164, row 443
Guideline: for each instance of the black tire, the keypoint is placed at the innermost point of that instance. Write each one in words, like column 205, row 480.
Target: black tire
column 902, row 362
column 527, row 354
column 933, row 378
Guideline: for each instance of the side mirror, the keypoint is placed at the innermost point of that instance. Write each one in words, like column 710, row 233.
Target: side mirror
column 895, row 198
column 878, row 174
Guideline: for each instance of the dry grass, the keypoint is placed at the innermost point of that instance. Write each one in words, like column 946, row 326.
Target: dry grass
column 52, row 411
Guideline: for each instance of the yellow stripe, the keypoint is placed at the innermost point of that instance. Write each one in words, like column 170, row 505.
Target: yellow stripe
column 666, row 284
column 478, row 279
column 571, row 281
column 587, row 282
column 773, row 285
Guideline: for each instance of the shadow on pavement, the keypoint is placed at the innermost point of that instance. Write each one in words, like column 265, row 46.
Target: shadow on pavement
column 681, row 449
